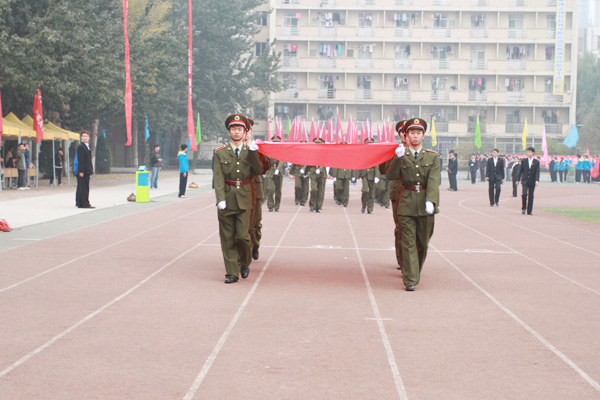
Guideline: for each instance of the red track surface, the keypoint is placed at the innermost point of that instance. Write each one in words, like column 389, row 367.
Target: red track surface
column 507, row 307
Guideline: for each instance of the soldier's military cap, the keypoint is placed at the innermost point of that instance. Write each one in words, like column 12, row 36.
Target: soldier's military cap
column 237, row 119
column 416, row 123
column 399, row 126
column 318, row 140
column 369, row 140
column 276, row 138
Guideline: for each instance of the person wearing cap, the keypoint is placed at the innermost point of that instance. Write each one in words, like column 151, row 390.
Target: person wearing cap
column 341, row 184
column 235, row 164
column 419, row 170
column 529, row 176
column 370, row 177
column 274, row 180
column 256, row 200
column 317, row 175
column 300, row 183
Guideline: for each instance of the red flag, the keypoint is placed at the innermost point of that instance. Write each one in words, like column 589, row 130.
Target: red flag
column 1, row 122
column 128, row 97
column 190, row 119
column 38, row 117
column 268, row 130
column 330, row 130
column 596, row 171
column 349, row 130
column 312, row 131
column 339, row 135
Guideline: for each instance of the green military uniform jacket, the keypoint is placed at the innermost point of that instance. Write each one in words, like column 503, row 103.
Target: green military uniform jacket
column 370, row 173
column 229, row 168
column 425, row 171
column 275, row 165
column 295, row 170
column 314, row 175
column 341, row 173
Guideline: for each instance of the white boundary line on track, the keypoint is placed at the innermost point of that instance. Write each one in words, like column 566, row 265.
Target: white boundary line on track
column 14, row 285
column 217, row 349
column 523, row 255
column 529, row 329
column 384, row 337
column 99, row 310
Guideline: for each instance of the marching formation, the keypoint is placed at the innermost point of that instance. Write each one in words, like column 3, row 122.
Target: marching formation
column 410, row 179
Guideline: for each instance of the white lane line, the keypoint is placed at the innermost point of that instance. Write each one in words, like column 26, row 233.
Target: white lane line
column 523, row 255
column 384, row 337
column 98, row 311
column 529, row 329
column 100, row 250
column 537, row 232
column 217, row 349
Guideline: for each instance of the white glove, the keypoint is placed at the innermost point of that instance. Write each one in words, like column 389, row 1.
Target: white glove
column 276, row 172
column 429, row 208
column 376, row 179
column 400, row 150
column 302, row 171
column 305, row 176
column 253, row 146
column 318, row 171
column 222, row 204
column 334, row 178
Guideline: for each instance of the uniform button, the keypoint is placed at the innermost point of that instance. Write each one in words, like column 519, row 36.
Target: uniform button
column 417, row 174
column 238, row 170
column 238, row 163
column 418, row 183
column 237, row 187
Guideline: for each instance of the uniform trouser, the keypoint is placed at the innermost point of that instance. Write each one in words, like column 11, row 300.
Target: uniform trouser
column 473, row 175
column 83, row 191
column 452, row 181
column 382, row 192
column 515, row 188
column 317, row 192
column 397, row 229
column 494, row 191
column 342, row 190
column 416, row 232
column 182, row 183
column 527, row 196
column 368, row 194
column 301, row 189
column 235, row 240
column 274, row 191
column 255, row 225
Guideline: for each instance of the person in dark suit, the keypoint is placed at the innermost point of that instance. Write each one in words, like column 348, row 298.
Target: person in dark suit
column 85, row 169
column 495, row 176
column 553, row 168
column 452, row 170
column 516, row 169
column 473, row 168
column 529, row 176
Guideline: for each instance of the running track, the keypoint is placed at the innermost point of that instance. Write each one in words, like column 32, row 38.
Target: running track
column 134, row 307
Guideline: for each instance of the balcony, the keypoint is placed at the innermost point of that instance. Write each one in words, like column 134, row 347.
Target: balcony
column 401, row 95
column 327, row 62
column 402, row 63
column 550, row 98
column 402, row 32
column 405, row 2
column 479, row 3
column 551, row 3
column 440, row 32
column 513, row 127
column 476, row 95
column 289, row 62
column 441, row 95
column 515, row 97
column 517, row 33
column 439, row 64
column 326, row 93
column 364, row 63
column 442, row 2
column 291, row 93
column 550, row 33
column 364, row 31
column 478, row 33
column 516, row 3
column 441, row 126
column 476, row 64
column 366, row 2
column 549, row 65
column 328, row 30
column 554, row 128
column 516, row 64
column 328, row 3
column 364, row 94
column 290, row 31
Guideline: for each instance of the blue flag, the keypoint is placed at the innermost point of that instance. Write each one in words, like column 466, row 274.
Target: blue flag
column 147, row 131
column 103, row 131
column 572, row 138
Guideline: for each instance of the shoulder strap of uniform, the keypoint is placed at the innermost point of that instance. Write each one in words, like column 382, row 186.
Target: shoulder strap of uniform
column 432, row 151
column 222, row 147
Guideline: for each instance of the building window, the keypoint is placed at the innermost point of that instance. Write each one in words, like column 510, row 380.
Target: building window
column 365, row 20
column 290, row 23
column 514, row 85
column 363, row 82
column 401, row 83
column 261, row 18
column 363, row 113
column 260, row 48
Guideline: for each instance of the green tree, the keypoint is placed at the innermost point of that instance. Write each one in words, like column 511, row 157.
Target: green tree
column 588, row 103
column 103, row 156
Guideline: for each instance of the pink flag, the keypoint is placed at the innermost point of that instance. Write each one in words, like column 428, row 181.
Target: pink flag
column 349, row 130
column 379, row 138
column 312, row 130
column 339, row 138
column 596, row 170
column 128, row 96
column 545, row 146
column 190, row 118
column 38, row 117
column 330, row 130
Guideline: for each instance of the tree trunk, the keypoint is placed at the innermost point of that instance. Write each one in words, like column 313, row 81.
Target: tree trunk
column 94, row 140
column 135, row 143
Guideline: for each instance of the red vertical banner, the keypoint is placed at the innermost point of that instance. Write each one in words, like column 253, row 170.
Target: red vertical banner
column 190, row 119
column 128, row 97
column 38, row 117
column 1, row 121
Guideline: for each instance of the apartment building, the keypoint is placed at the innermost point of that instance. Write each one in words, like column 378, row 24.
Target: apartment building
column 504, row 61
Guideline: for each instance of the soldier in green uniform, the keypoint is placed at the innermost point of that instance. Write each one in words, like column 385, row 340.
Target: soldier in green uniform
column 234, row 166
column 274, row 180
column 419, row 170
column 317, row 175
column 394, row 195
column 256, row 186
column 370, row 177
column 341, row 184
column 300, row 183
column 382, row 191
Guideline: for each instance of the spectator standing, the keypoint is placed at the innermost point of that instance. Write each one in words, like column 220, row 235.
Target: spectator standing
column 495, row 177
column 184, row 165
column 516, row 169
column 21, row 167
column 452, row 170
column 553, row 166
column 587, row 169
column 85, row 170
column 59, row 160
column 473, row 168
column 482, row 165
column 578, row 170
column 155, row 165
column 529, row 176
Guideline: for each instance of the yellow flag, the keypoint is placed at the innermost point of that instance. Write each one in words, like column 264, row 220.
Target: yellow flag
column 524, row 138
column 433, row 136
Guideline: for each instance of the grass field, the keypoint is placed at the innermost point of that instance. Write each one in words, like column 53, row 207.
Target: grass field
column 585, row 214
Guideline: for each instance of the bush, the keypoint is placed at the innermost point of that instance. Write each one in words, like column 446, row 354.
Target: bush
column 103, row 156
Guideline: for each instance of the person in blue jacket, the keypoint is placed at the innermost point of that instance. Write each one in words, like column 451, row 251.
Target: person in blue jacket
column 586, row 169
column 184, row 165
column 578, row 170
